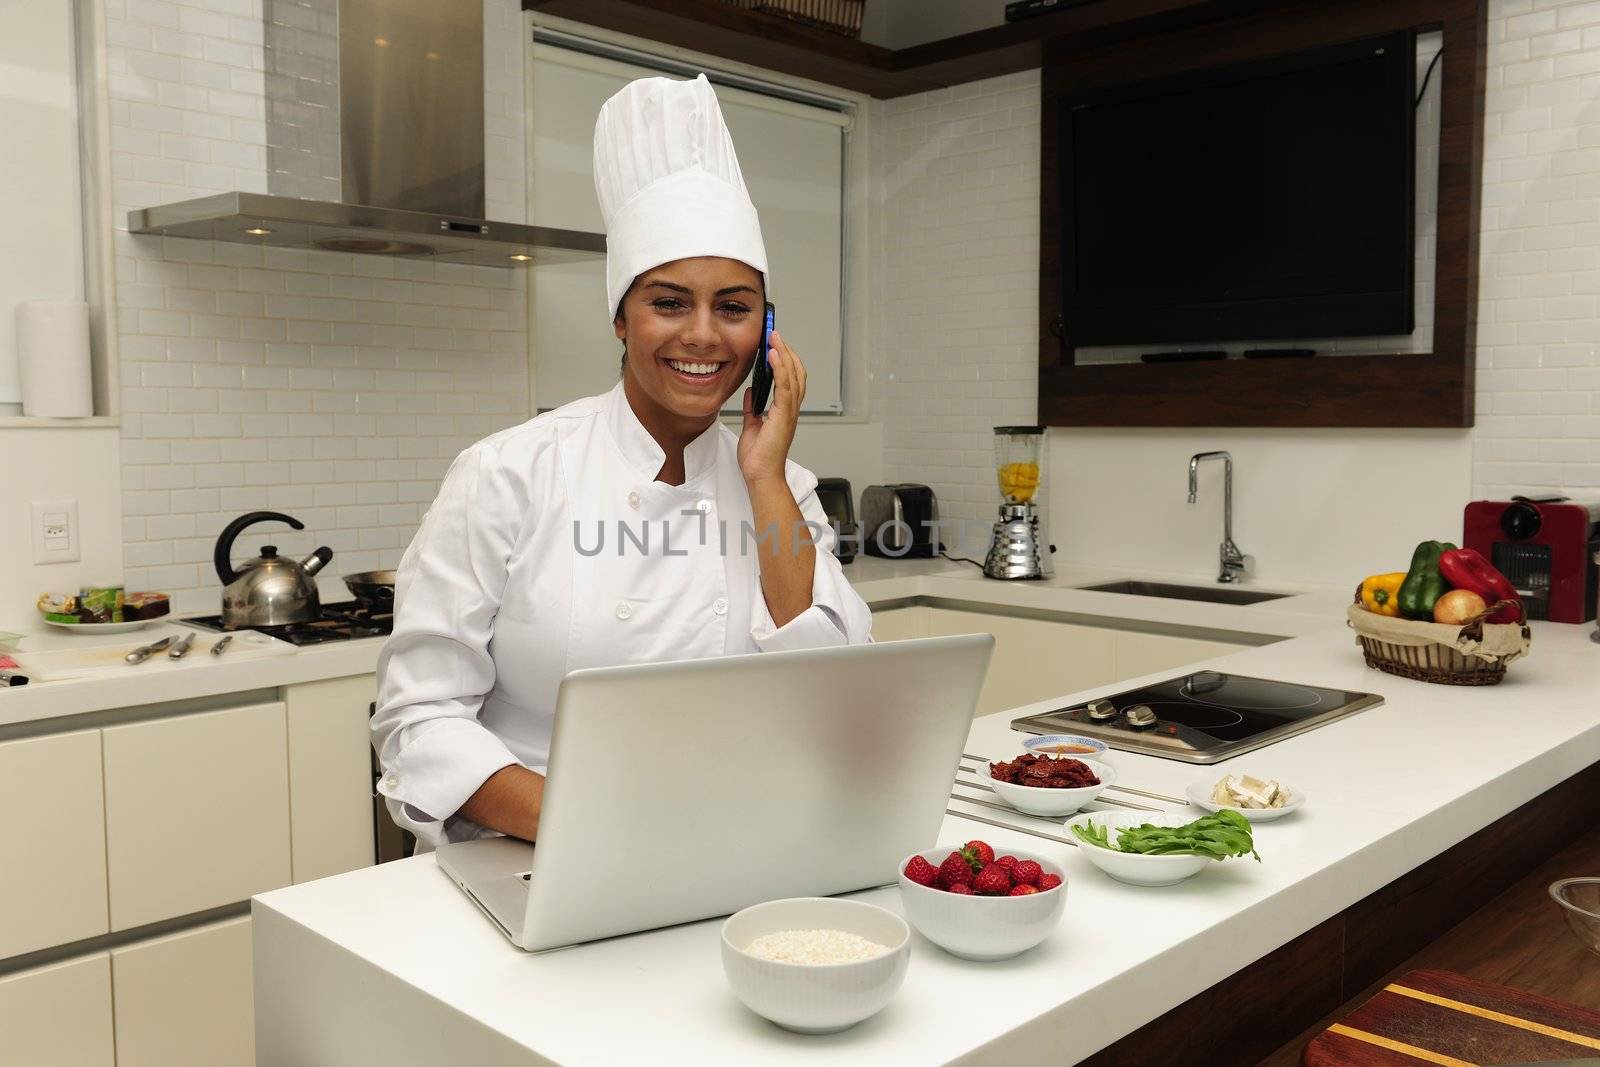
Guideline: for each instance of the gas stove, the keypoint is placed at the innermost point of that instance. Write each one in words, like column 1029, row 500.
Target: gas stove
column 344, row 621
column 1202, row 717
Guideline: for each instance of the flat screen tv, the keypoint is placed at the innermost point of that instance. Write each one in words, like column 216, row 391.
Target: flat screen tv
column 1269, row 200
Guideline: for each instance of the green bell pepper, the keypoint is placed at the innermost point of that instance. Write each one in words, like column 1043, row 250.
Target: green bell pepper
column 1424, row 584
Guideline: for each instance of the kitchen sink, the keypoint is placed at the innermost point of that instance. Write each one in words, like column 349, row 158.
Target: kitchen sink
column 1210, row 594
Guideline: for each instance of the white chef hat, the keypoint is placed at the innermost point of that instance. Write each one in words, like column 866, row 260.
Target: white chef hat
column 669, row 183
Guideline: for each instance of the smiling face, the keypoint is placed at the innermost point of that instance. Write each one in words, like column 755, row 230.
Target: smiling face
column 691, row 328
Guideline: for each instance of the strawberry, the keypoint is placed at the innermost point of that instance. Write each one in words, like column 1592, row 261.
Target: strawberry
column 1007, row 862
column 921, row 871
column 954, row 871
column 960, row 889
column 979, row 854
column 993, row 881
column 1048, row 881
column 1027, row 872
column 1022, row 890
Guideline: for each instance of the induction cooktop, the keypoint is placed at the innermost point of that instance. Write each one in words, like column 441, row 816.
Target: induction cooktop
column 1201, row 717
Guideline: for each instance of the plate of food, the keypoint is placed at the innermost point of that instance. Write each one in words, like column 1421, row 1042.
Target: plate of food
column 1257, row 799
column 106, row 610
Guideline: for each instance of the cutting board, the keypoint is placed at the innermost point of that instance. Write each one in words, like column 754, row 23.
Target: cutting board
column 105, row 658
column 1446, row 1018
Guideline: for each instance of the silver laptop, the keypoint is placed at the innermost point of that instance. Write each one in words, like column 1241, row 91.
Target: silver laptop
column 679, row 791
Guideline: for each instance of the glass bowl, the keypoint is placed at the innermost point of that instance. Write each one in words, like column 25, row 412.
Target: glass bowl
column 1580, row 902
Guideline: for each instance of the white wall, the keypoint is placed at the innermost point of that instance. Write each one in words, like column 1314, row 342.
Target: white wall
column 51, row 464
column 959, row 349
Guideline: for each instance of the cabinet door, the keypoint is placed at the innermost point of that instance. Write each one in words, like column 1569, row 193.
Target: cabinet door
column 899, row 624
column 53, row 874
column 186, row 1000
column 58, row 1016
column 1139, row 654
column 197, row 812
column 330, row 775
column 1033, row 660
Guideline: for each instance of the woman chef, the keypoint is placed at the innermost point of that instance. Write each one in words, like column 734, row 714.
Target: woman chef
column 611, row 530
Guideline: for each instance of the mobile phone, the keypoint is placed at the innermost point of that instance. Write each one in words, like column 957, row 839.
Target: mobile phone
column 761, row 381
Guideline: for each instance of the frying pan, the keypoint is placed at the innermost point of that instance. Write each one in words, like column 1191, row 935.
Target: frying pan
column 374, row 589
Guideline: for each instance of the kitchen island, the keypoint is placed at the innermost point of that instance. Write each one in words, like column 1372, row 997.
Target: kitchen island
column 393, row 964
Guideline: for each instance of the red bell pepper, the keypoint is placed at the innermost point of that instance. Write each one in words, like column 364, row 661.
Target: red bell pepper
column 1465, row 568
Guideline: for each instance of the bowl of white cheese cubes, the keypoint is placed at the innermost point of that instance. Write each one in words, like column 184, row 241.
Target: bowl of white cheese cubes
column 1257, row 799
column 815, row 965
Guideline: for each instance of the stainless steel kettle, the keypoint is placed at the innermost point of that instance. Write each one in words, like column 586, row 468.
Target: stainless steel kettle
column 268, row 590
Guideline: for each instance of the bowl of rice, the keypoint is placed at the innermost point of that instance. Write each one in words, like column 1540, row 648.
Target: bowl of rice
column 815, row 965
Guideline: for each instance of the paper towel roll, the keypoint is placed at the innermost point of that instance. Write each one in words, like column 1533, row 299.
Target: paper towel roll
column 53, row 364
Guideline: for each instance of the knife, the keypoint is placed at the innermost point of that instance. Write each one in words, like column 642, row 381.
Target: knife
column 181, row 649
column 144, row 652
column 221, row 646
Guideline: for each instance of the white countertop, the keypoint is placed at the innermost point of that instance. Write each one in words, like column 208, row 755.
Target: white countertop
column 1387, row 789
column 878, row 580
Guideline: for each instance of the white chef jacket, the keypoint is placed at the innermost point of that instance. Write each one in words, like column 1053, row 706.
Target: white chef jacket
column 502, row 592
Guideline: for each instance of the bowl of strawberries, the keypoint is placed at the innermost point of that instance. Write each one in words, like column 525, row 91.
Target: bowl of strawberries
column 980, row 906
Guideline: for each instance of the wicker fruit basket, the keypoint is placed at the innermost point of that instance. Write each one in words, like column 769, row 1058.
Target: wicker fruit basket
column 1476, row 653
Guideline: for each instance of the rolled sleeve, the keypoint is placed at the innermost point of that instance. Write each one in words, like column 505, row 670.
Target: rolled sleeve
column 435, row 669
column 837, row 615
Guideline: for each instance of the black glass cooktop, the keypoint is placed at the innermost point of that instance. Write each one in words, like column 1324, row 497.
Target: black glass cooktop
column 1201, row 717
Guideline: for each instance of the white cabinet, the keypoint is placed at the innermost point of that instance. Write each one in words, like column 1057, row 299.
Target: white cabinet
column 899, row 624
column 186, row 1000
column 53, row 874
column 330, row 775
column 197, row 812
column 1033, row 659
column 1036, row 659
column 58, row 1016
column 1150, row 653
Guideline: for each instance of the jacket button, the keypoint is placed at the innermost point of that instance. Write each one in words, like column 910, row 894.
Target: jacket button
column 623, row 610
column 703, row 506
column 720, row 605
column 392, row 781
column 633, row 500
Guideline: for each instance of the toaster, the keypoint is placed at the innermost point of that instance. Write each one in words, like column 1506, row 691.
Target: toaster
column 1545, row 546
column 839, row 505
column 900, row 520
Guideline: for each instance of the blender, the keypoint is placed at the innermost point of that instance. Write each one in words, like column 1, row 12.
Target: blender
column 1014, row 548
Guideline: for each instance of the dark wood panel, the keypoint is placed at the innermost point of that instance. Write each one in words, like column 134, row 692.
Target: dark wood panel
column 1025, row 45
column 1392, row 390
column 1244, row 1017
column 1434, row 390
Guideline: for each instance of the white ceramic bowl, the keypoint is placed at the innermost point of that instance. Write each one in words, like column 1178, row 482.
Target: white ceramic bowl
column 1046, row 746
column 1199, row 794
column 1131, row 867
column 983, row 928
column 815, row 998
column 1036, row 800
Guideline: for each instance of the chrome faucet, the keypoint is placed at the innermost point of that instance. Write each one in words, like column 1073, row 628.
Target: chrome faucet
column 1233, row 562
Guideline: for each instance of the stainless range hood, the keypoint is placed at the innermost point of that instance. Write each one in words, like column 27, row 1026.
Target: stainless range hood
column 375, row 142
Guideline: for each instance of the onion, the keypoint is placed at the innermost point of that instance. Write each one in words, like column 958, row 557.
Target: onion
column 1458, row 606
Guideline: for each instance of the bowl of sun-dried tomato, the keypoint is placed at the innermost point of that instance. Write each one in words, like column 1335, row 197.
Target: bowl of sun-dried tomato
column 1047, row 785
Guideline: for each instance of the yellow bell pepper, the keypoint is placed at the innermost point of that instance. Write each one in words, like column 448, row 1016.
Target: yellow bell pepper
column 1381, row 593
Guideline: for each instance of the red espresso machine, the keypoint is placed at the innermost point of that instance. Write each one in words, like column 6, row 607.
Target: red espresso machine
column 1546, row 546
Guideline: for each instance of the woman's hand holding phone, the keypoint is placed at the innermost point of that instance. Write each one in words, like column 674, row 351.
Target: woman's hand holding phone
column 765, row 439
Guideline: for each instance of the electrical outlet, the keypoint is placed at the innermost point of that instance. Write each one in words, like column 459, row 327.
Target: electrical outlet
column 55, row 531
